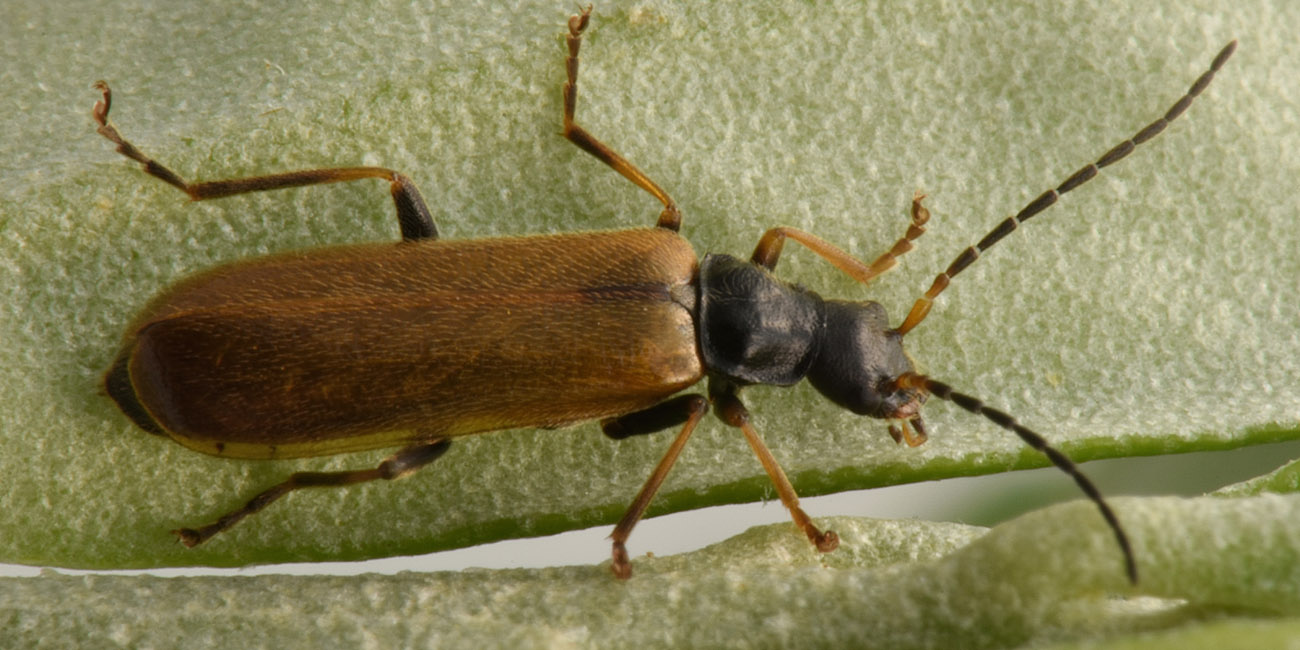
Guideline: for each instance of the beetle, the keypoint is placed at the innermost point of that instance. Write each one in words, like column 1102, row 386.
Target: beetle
column 368, row 346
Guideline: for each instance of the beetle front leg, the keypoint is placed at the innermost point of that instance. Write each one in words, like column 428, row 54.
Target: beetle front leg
column 412, row 215
column 396, row 466
column 768, row 251
column 734, row 413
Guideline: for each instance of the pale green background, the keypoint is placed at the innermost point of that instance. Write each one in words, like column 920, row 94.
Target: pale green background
column 1154, row 307
column 1159, row 301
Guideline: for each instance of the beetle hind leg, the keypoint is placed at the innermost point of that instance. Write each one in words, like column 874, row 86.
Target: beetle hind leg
column 396, row 466
column 412, row 214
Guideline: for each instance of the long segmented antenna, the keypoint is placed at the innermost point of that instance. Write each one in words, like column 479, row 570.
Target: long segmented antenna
column 943, row 391
column 968, row 256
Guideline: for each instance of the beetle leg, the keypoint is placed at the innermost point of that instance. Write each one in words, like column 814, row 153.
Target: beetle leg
column 412, row 214
column 693, row 407
column 652, row 420
column 889, row 259
column 670, row 218
column 396, row 466
column 769, row 247
column 733, row 412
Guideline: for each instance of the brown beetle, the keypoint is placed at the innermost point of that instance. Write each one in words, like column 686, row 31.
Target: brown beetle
column 381, row 345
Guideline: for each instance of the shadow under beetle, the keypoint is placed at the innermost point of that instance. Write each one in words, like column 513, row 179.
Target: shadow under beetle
column 367, row 346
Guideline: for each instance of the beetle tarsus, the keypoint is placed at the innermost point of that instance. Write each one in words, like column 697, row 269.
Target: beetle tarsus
column 621, row 565
column 187, row 536
column 827, row 541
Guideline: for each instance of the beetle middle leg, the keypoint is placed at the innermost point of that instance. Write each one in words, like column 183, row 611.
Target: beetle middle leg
column 687, row 408
column 412, row 214
column 690, row 409
column 396, row 466
column 670, row 218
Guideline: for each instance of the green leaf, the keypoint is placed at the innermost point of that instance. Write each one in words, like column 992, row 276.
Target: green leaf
column 1053, row 575
column 1283, row 480
column 1152, row 311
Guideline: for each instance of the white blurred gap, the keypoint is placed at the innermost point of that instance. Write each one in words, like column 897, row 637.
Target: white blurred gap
column 980, row 500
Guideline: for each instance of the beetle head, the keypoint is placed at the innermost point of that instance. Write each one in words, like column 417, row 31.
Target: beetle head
column 859, row 361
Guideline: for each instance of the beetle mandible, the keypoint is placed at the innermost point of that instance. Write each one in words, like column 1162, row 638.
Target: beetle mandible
column 368, row 346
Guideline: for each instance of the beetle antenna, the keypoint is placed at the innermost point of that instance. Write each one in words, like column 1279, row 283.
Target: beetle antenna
column 1118, row 152
column 943, row 391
